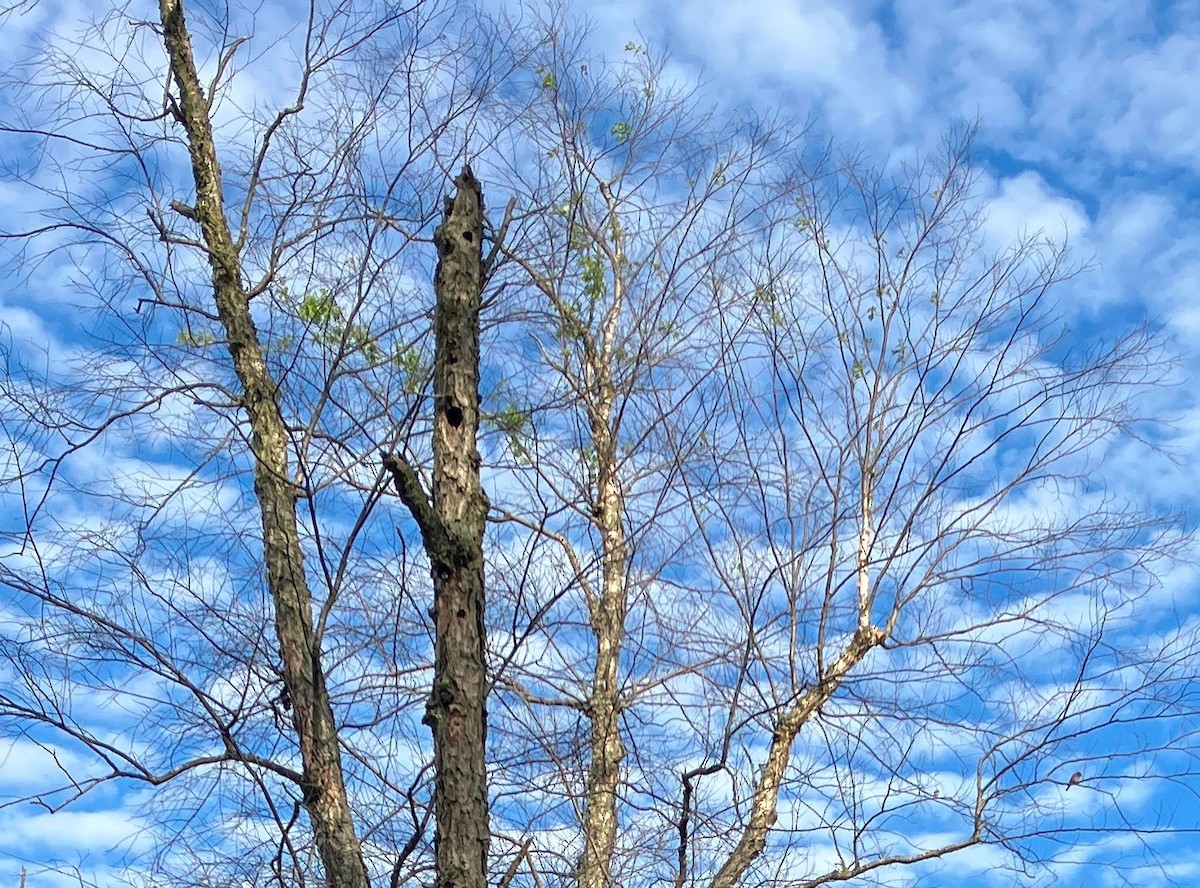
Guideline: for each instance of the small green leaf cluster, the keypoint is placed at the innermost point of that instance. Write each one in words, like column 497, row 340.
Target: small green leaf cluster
column 196, row 338
column 515, row 424
column 412, row 367
column 571, row 326
column 320, row 310
column 591, row 275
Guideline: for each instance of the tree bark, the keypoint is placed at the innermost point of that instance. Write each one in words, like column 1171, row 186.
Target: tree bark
column 324, row 790
column 607, row 611
column 607, row 615
column 764, row 803
column 452, row 527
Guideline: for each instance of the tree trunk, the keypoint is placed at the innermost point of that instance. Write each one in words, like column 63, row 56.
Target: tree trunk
column 324, row 789
column 452, row 528
column 608, row 625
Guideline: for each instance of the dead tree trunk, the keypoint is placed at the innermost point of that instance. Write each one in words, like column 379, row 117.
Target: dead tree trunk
column 452, row 524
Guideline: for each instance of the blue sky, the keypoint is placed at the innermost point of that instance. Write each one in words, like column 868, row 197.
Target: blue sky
column 1085, row 108
column 1089, row 130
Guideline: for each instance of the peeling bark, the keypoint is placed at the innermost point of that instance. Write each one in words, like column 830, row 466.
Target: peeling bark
column 607, row 612
column 608, row 626
column 452, row 525
column 324, row 790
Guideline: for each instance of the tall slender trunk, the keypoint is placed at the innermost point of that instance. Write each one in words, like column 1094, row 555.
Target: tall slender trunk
column 452, row 526
column 607, row 611
column 324, row 790
column 608, row 626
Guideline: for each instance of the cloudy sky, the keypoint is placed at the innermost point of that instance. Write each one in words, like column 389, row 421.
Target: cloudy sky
column 1087, row 109
column 1089, row 116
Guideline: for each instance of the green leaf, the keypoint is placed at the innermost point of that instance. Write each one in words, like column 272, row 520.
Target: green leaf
column 591, row 273
column 408, row 361
column 196, row 338
column 511, row 420
column 764, row 294
column 320, row 309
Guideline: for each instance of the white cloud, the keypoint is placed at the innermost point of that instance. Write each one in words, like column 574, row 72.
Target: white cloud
column 1025, row 205
column 69, row 834
column 1082, row 106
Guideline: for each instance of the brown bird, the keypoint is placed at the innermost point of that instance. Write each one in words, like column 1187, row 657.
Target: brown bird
column 1076, row 778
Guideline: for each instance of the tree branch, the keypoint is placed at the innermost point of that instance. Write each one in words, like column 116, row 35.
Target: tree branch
column 412, row 494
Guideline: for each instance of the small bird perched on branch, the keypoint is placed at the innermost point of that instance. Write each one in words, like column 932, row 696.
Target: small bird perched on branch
column 1075, row 779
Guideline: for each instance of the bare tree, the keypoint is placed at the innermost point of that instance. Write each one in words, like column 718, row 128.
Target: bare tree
column 782, row 482
column 921, row 499
column 304, row 680
column 629, row 230
column 284, row 370
column 811, row 455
